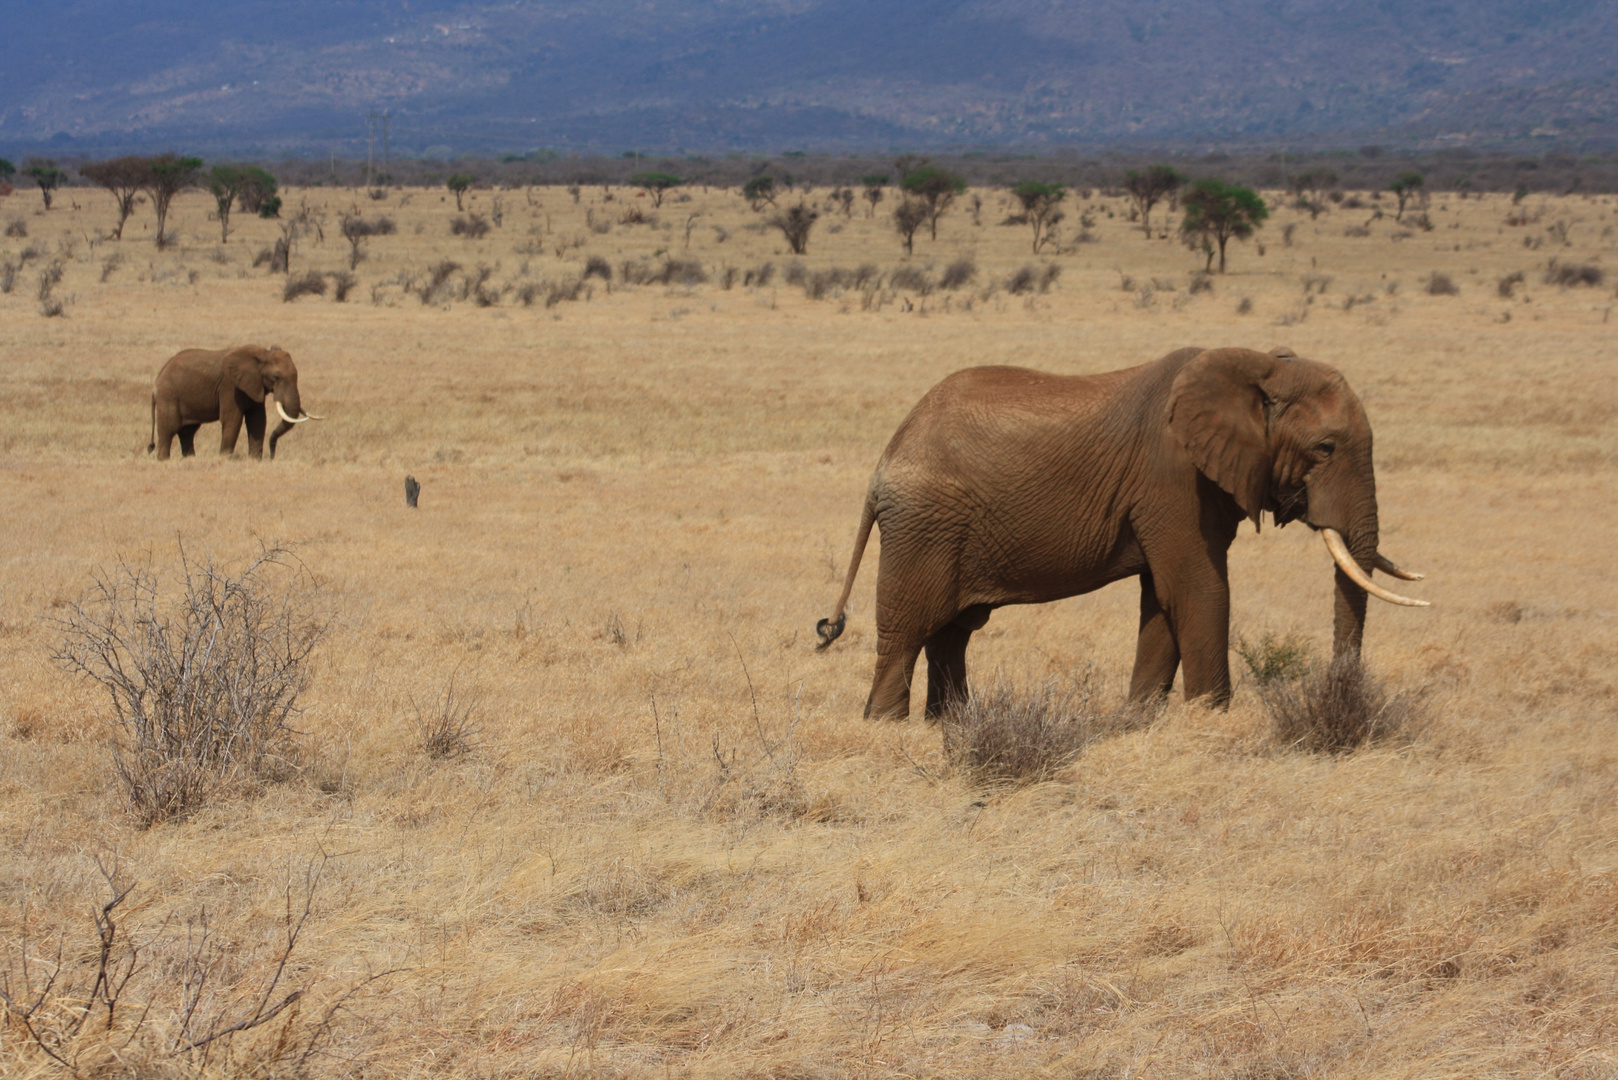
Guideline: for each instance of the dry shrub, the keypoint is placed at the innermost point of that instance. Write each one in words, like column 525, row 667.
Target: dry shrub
column 1441, row 285
column 1201, row 281
column 342, row 284
column 1022, row 735
column 203, row 673
column 17, row 228
column 448, row 725
column 50, row 277
column 109, row 265
column 822, row 282
column 1031, row 277
column 8, row 276
column 473, row 227
column 1507, row 286
column 682, row 272
column 1358, row 232
column 865, row 274
column 475, row 287
column 958, row 273
column 795, row 273
column 559, row 291
column 760, row 275
column 312, row 283
column 438, row 276
column 911, row 279
column 1245, row 307
column 596, row 266
column 1569, row 274
column 1338, row 709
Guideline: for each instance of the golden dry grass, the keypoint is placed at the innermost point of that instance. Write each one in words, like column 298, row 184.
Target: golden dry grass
column 628, row 497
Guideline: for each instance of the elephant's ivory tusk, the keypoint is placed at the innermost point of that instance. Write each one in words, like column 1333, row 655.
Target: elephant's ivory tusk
column 1345, row 563
column 1387, row 566
column 307, row 415
column 284, row 415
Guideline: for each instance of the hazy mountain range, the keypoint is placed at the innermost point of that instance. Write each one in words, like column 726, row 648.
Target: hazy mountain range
column 707, row 75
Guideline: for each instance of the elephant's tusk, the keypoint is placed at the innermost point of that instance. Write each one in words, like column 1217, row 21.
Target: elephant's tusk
column 307, row 415
column 284, row 415
column 1345, row 562
column 1387, row 566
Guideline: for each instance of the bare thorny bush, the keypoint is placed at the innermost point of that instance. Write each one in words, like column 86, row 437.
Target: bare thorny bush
column 175, row 999
column 1338, row 707
column 1023, row 735
column 203, row 673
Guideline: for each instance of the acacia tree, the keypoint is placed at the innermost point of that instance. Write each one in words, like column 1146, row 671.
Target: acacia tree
column 458, row 183
column 758, row 191
column 1148, row 188
column 936, row 188
column 874, row 183
column 46, row 175
column 656, row 184
column 1309, row 189
column 909, row 216
column 166, row 176
column 225, row 184
column 1216, row 211
column 123, row 177
column 795, row 224
column 258, row 189
column 1040, row 208
column 1406, row 187
column 7, row 170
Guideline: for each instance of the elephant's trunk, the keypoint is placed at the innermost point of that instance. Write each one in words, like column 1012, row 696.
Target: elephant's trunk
column 1348, row 615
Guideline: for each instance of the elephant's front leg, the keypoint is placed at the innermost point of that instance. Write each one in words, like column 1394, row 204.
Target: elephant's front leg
column 230, row 429
column 255, row 433
column 1157, row 653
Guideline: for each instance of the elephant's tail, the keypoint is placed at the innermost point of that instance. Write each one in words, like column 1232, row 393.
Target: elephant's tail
column 153, row 444
column 829, row 630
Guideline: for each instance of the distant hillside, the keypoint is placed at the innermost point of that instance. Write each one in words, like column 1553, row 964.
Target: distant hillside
column 745, row 74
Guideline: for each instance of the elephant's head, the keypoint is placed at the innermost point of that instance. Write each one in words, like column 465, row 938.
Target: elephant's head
column 1288, row 435
column 257, row 372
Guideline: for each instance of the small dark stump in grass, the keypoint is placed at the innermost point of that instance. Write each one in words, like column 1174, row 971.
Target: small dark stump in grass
column 412, row 491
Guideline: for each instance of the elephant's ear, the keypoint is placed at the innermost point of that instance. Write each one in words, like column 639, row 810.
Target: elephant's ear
column 243, row 367
column 1217, row 412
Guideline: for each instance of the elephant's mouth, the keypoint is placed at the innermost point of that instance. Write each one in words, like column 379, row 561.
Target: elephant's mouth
column 1292, row 505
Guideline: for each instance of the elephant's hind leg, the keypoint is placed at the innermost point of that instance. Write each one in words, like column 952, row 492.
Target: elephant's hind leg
column 890, row 686
column 188, row 437
column 946, row 660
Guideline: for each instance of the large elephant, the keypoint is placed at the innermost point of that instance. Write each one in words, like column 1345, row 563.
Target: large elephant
column 1011, row 486
column 200, row 386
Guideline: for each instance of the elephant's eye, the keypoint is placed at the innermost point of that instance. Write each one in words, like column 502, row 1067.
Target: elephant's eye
column 1325, row 449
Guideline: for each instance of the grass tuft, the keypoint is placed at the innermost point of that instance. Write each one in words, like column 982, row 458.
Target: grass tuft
column 1005, row 733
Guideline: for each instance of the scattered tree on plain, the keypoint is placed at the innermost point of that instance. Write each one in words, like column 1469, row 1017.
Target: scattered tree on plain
column 257, row 191
column 46, row 175
column 795, row 224
column 123, row 177
column 874, row 183
column 1040, row 206
column 166, row 176
column 458, row 183
column 1407, row 186
column 936, row 189
column 355, row 229
column 656, row 184
column 225, row 183
column 758, row 191
column 909, row 216
column 1310, row 187
column 1215, row 212
column 7, row 170
column 1147, row 189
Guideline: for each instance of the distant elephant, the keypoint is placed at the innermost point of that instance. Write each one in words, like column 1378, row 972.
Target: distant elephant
column 1011, row 486
column 199, row 386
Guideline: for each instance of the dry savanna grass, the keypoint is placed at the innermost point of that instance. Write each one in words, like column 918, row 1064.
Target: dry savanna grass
column 570, row 793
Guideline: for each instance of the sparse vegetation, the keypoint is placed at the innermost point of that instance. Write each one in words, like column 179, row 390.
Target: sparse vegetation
column 1024, row 735
column 166, row 176
column 46, row 175
column 909, row 216
column 795, row 223
column 1216, row 213
column 656, row 184
column 309, row 283
column 1337, row 709
column 356, row 230
column 202, row 672
column 1150, row 186
column 1570, row 274
column 933, row 188
column 459, row 184
column 1441, row 285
